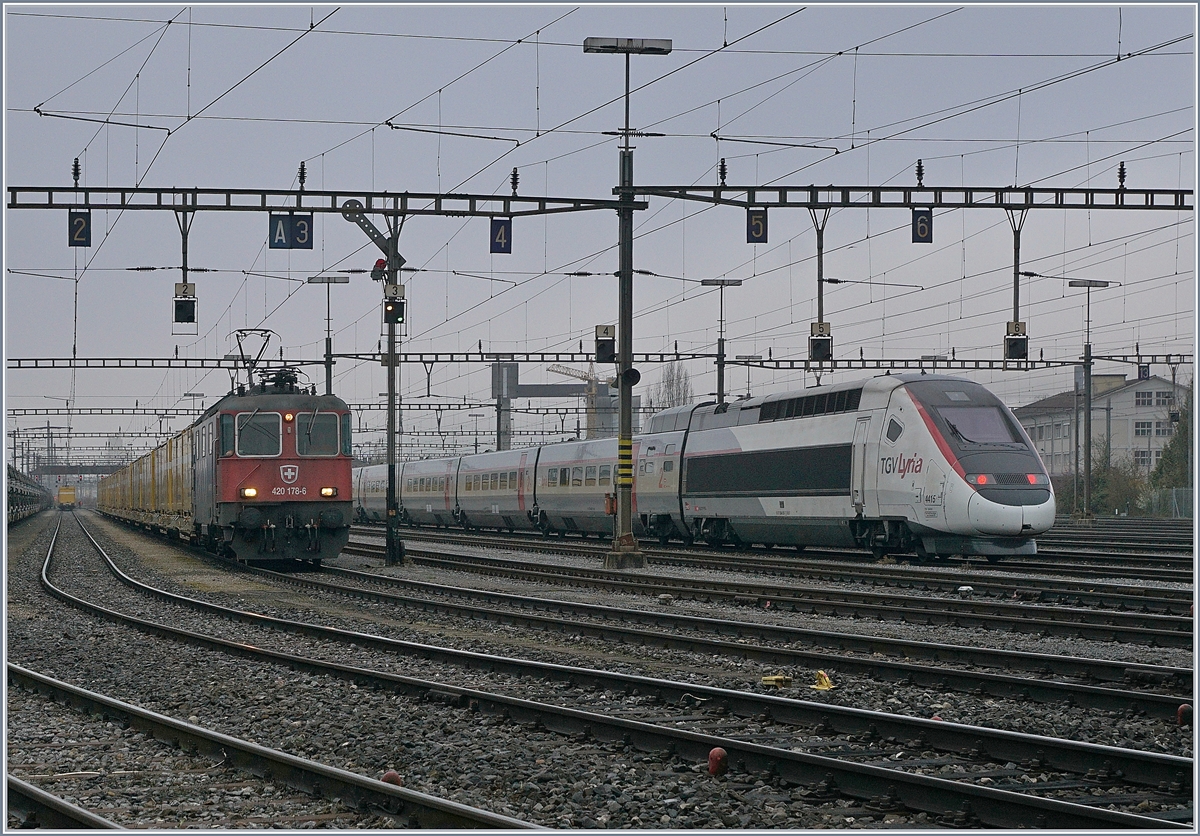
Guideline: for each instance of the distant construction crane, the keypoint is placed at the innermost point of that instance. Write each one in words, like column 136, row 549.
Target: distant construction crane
column 599, row 416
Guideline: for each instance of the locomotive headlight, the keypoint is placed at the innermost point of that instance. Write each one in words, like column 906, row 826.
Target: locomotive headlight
column 979, row 479
column 249, row 493
column 328, row 491
column 287, row 417
column 1038, row 478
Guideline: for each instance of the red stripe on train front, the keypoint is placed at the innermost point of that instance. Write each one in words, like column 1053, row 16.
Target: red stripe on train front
column 938, row 438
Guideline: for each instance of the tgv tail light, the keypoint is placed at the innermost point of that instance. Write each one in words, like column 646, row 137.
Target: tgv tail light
column 980, row 479
column 1038, row 478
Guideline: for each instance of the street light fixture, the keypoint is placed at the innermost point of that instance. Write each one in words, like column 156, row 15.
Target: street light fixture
column 748, row 357
column 625, row 553
column 1088, row 284
column 722, row 284
column 476, row 416
column 327, row 281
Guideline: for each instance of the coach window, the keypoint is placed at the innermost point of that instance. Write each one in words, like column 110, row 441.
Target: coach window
column 259, row 434
column 477, row 486
column 668, row 465
column 576, row 477
column 504, row 480
column 467, row 483
column 512, row 480
column 552, row 477
column 226, row 436
column 495, row 481
column 894, row 430
column 316, row 433
column 564, row 476
column 589, row 476
column 605, row 474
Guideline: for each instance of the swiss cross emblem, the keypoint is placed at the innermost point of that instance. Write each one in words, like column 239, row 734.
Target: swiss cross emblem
column 288, row 473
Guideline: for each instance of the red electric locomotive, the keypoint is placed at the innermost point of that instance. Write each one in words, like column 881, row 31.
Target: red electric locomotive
column 263, row 475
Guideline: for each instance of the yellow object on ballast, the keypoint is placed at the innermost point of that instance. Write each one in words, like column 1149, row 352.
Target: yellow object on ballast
column 778, row 680
column 823, row 683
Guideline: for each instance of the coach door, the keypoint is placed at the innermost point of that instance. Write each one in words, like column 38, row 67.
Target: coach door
column 858, row 466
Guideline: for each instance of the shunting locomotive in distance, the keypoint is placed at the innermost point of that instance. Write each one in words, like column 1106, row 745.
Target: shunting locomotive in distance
column 926, row 464
column 263, row 474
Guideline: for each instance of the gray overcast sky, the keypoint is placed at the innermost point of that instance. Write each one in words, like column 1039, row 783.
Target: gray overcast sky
column 883, row 85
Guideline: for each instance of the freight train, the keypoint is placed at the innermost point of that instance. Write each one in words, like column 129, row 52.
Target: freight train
column 26, row 496
column 66, row 498
column 898, row 464
column 262, row 475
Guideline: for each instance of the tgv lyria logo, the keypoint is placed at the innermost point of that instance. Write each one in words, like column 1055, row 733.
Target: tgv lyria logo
column 289, row 473
column 901, row 464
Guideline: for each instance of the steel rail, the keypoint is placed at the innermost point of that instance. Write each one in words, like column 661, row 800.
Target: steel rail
column 1164, row 706
column 1150, row 599
column 533, row 541
column 918, row 792
column 425, row 811
column 1175, row 631
column 37, row 808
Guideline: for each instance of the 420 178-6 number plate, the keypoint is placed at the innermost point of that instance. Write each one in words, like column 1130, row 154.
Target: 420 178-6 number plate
column 289, row 491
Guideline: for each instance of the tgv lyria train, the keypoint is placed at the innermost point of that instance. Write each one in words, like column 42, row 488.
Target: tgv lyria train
column 896, row 464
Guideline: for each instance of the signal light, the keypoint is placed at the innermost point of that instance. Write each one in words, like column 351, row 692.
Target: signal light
column 379, row 271
column 1016, row 348
column 249, row 493
column 185, row 311
column 393, row 311
column 606, row 350
column 820, row 348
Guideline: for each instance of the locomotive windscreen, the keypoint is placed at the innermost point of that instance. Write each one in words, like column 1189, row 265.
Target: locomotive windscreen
column 317, row 433
column 979, row 424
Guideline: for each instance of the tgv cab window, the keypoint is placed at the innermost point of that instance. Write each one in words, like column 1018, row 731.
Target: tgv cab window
column 316, row 433
column 979, row 424
column 259, row 434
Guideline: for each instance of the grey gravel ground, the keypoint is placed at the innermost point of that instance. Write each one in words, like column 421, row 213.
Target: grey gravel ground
column 475, row 760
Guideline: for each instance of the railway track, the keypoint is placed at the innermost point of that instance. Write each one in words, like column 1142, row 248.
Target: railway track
column 952, row 668
column 1103, row 625
column 347, row 798
column 966, row 797
column 33, row 807
column 1150, row 567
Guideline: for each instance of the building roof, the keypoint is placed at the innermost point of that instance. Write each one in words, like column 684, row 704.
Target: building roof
column 1065, row 401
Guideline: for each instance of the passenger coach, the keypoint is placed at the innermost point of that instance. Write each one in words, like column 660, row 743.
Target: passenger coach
column 897, row 464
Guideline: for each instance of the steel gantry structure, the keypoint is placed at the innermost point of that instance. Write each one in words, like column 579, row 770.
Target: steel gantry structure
column 1015, row 201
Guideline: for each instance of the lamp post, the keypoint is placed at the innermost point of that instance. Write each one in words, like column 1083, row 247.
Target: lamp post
column 327, row 281
column 1088, row 284
column 722, row 284
column 476, row 416
column 748, row 358
column 625, row 553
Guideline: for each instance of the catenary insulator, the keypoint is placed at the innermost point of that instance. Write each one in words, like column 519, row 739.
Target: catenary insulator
column 75, row 171
column 722, row 170
column 516, row 178
column 302, row 175
column 920, row 174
